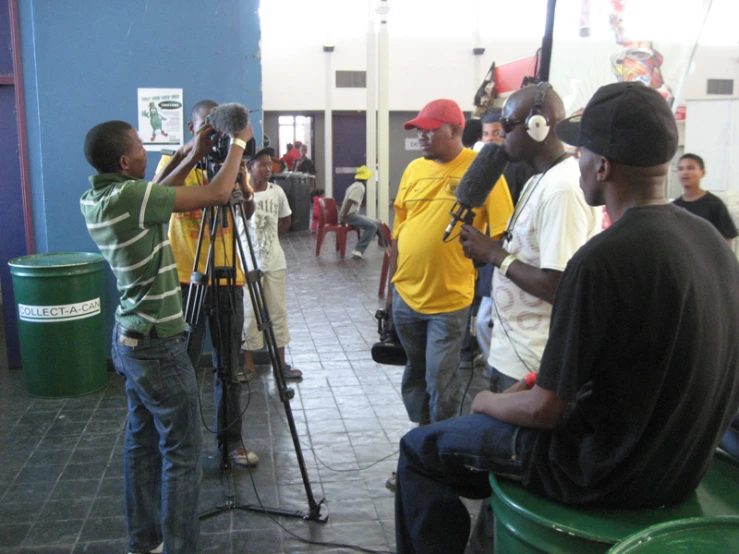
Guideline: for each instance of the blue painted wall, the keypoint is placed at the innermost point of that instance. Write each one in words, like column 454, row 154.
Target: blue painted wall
column 82, row 64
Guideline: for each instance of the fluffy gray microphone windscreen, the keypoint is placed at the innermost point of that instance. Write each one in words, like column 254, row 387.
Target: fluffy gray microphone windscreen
column 229, row 119
column 481, row 175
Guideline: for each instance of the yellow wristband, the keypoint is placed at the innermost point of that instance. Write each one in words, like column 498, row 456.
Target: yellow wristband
column 238, row 142
column 509, row 259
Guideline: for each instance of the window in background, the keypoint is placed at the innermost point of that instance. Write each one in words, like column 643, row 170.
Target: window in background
column 292, row 128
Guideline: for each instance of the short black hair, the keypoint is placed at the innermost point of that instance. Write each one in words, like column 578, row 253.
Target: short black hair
column 472, row 132
column 200, row 107
column 105, row 143
column 695, row 157
column 491, row 115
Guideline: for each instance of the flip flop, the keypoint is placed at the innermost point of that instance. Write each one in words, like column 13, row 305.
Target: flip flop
column 246, row 376
column 291, row 374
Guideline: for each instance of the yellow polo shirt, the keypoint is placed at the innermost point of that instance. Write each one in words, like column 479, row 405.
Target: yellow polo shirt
column 433, row 276
column 184, row 228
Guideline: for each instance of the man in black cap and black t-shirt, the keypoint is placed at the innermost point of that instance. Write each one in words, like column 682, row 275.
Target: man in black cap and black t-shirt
column 640, row 377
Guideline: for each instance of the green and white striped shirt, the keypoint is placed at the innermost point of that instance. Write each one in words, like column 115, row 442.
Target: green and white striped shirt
column 126, row 218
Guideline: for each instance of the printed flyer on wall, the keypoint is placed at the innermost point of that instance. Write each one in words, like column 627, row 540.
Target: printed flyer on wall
column 161, row 121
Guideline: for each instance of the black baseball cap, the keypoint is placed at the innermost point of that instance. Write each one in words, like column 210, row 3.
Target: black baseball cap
column 628, row 122
column 262, row 152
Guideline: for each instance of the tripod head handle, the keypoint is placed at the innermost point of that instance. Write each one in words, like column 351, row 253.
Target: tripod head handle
column 237, row 197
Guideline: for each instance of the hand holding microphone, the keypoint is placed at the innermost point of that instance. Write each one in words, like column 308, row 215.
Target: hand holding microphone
column 476, row 184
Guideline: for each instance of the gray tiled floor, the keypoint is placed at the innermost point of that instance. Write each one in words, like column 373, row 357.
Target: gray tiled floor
column 60, row 460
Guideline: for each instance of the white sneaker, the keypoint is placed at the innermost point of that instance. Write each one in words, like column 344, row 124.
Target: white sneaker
column 356, row 254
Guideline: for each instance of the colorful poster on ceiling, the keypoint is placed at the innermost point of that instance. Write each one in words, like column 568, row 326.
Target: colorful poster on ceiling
column 597, row 42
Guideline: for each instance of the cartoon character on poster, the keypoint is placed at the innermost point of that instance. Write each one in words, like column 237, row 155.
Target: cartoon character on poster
column 636, row 60
column 152, row 114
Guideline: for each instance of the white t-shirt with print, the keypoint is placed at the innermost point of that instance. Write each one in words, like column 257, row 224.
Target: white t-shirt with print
column 271, row 206
column 553, row 223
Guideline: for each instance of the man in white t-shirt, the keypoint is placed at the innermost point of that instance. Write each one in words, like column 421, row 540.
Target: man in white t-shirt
column 271, row 217
column 350, row 215
column 550, row 223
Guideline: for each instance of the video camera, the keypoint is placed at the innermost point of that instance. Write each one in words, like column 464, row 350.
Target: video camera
column 388, row 351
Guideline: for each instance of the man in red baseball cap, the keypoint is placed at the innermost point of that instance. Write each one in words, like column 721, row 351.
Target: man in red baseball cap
column 433, row 282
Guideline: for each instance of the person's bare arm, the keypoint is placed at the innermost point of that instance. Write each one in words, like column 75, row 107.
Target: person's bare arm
column 345, row 210
column 283, row 226
column 246, row 190
column 392, row 265
column 537, row 408
column 541, row 283
column 219, row 190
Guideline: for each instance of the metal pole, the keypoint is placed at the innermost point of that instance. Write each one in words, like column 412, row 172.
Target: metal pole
column 371, row 111
column 328, row 123
column 383, row 117
column 546, row 42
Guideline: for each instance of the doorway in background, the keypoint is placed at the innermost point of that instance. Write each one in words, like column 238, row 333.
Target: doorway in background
column 350, row 149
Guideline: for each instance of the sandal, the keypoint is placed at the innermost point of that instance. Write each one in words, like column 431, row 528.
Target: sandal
column 291, row 374
column 392, row 483
column 245, row 377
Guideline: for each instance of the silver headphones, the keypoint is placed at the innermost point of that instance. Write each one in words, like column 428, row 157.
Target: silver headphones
column 537, row 124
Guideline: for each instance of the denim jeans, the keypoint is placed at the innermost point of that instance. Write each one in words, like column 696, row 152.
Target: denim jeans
column 161, row 457
column 432, row 385
column 369, row 227
column 439, row 463
column 231, row 323
column 483, row 535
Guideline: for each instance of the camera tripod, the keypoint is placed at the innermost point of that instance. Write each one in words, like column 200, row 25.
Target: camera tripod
column 214, row 219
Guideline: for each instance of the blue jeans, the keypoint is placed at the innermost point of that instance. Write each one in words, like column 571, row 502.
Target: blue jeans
column 369, row 227
column 483, row 535
column 432, row 385
column 229, row 323
column 161, row 457
column 439, row 463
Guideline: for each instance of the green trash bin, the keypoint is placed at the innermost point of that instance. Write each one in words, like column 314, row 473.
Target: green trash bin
column 700, row 535
column 60, row 322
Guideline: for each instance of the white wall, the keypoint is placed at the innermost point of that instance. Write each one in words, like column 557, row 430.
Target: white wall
column 430, row 43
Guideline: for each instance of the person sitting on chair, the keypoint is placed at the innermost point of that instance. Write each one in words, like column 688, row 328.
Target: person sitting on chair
column 349, row 214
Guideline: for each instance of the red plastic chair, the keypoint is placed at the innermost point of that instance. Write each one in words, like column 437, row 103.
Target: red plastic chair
column 387, row 237
column 328, row 222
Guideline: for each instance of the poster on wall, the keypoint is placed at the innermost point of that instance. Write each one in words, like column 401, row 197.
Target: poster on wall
column 597, row 42
column 161, row 121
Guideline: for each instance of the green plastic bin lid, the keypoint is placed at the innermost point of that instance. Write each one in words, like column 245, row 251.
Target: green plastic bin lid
column 56, row 259
column 700, row 535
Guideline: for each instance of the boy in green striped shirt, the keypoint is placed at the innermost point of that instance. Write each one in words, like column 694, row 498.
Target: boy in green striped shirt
column 126, row 217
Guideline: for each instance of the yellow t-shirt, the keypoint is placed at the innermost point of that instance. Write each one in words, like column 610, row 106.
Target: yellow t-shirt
column 184, row 228
column 433, row 276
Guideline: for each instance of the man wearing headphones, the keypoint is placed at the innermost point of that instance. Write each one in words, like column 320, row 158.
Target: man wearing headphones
column 640, row 377
column 550, row 222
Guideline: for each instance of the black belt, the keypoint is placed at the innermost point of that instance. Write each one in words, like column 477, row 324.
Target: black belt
column 134, row 334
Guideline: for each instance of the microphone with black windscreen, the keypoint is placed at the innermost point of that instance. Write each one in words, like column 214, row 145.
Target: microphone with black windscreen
column 476, row 184
column 228, row 119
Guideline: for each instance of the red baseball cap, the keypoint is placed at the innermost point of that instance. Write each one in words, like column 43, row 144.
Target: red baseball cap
column 435, row 114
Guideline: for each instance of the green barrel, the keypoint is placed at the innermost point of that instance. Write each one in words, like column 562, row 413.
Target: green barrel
column 526, row 523
column 700, row 535
column 60, row 322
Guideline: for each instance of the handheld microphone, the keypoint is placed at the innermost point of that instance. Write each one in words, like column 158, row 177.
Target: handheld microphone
column 476, row 184
column 228, row 119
